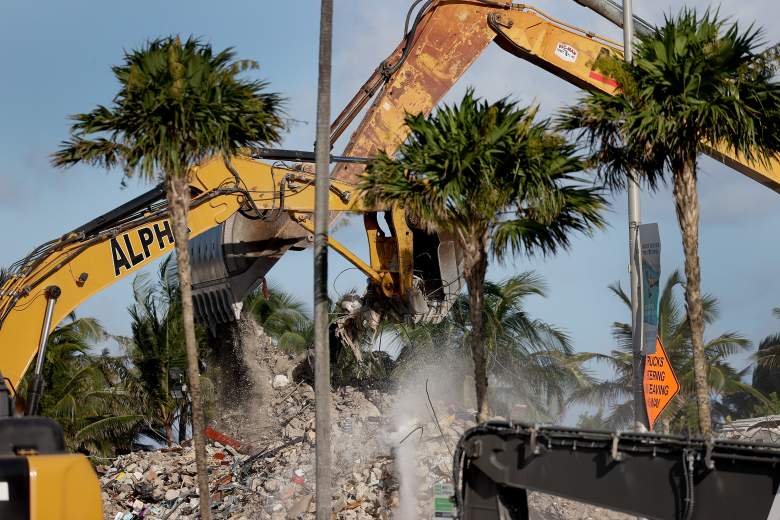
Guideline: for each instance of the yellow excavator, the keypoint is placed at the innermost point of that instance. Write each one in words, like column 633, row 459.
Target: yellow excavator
column 246, row 214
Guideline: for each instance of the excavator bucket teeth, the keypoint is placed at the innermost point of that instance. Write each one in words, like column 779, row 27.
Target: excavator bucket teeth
column 230, row 260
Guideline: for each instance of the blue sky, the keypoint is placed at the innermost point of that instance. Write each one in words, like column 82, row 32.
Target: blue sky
column 56, row 60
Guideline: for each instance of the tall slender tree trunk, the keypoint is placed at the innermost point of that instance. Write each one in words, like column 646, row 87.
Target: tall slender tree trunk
column 169, row 434
column 475, row 270
column 183, row 423
column 687, row 205
column 178, row 194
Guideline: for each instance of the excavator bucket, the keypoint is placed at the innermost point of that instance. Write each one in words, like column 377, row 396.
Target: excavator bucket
column 229, row 261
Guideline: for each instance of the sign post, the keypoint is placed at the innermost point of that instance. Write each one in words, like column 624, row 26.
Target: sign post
column 659, row 383
column 634, row 217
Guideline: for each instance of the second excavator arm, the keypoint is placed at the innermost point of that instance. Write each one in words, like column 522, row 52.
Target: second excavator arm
column 449, row 36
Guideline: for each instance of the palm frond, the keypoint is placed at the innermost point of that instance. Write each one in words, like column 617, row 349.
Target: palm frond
column 223, row 112
column 109, row 426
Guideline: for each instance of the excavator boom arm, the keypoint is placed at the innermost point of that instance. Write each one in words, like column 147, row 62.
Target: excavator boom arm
column 449, row 37
column 80, row 264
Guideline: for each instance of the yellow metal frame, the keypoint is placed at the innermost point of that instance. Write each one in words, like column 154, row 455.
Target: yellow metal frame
column 449, row 39
column 532, row 35
column 63, row 487
column 81, row 268
column 391, row 257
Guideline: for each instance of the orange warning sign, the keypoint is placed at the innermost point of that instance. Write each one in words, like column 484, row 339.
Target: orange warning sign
column 659, row 383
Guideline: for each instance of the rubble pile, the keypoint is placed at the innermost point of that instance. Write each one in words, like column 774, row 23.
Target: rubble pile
column 274, row 481
column 388, row 458
column 161, row 484
column 277, row 482
column 756, row 429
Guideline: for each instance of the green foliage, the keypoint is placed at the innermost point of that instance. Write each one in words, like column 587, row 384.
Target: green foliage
column 178, row 104
column 103, row 402
column 593, row 421
column 770, row 407
column 496, row 179
column 157, row 346
column 484, row 170
column 766, row 376
column 83, row 392
column 694, row 82
column 674, row 331
column 282, row 317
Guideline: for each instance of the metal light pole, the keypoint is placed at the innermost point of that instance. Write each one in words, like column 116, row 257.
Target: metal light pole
column 634, row 219
column 321, row 321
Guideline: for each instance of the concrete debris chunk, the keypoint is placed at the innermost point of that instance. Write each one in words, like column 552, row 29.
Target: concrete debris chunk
column 280, row 381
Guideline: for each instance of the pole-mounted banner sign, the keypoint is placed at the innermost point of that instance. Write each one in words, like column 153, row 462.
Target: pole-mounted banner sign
column 659, row 383
column 650, row 241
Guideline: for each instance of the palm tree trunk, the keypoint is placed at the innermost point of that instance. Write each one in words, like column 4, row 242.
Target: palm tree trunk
column 183, row 423
column 169, row 434
column 687, row 205
column 665, row 426
column 475, row 270
column 178, row 194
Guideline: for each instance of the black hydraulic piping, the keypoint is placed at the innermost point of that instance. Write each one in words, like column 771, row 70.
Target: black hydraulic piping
column 614, row 13
column 157, row 193
column 278, row 154
column 131, row 207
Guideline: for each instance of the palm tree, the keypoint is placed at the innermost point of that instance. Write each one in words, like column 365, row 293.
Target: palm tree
column 157, row 345
column 495, row 178
column 177, row 105
column 693, row 83
column 766, row 376
column 532, row 359
column 282, row 317
column 675, row 333
column 84, row 393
